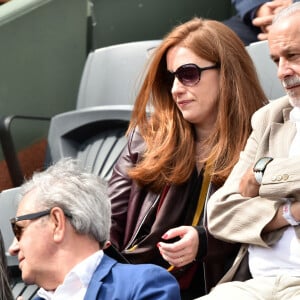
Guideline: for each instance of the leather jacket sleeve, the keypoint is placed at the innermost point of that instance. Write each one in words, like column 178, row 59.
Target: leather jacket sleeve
column 202, row 249
column 120, row 186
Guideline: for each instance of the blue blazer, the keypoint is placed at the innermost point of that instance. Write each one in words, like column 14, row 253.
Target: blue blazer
column 116, row 281
column 243, row 7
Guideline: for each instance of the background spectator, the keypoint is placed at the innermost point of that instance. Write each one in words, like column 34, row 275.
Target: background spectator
column 253, row 18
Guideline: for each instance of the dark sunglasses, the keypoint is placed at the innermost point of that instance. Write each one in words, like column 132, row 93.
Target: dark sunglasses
column 18, row 230
column 189, row 74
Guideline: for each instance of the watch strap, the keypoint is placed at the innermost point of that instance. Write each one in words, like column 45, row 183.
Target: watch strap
column 260, row 167
column 258, row 176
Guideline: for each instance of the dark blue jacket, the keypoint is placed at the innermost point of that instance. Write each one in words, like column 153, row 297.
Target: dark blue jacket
column 248, row 7
column 116, row 281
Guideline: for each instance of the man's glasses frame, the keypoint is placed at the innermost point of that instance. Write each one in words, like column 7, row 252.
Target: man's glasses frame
column 18, row 230
column 189, row 74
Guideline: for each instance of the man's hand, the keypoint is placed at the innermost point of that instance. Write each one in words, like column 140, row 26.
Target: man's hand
column 249, row 187
column 265, row 14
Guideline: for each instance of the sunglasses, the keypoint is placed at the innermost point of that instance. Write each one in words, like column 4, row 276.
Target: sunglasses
column 189, row 74
column 18, row 230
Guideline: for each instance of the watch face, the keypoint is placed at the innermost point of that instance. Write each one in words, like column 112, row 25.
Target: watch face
column 261, row 164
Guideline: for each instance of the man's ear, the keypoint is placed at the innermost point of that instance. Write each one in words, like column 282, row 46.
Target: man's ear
column 107, row 244
column 58, row 219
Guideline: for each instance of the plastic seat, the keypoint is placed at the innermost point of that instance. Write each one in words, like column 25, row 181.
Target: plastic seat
column 94, row 133
column 18, row 288
column 8, row 206
column 266, row 69
column 112, row 75
column 95, row 136
column 29, row 292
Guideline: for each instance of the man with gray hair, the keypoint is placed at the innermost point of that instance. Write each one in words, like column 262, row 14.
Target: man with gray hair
column 61, row 228
column 259, row 204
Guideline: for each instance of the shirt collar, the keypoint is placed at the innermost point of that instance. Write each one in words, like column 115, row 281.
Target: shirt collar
column 295, row 114
column 79, row 277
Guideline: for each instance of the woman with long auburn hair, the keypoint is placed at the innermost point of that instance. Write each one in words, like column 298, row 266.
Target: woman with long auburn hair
column 190, row 121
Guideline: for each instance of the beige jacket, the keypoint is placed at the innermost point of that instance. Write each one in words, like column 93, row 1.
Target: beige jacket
column 234, row 218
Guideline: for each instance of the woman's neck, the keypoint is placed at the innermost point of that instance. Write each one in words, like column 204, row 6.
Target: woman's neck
column 202, row 148
column 202, row 133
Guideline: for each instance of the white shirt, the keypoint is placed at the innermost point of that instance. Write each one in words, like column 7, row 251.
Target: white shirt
column 284, row 256
column 295, row 146
column 76, row 281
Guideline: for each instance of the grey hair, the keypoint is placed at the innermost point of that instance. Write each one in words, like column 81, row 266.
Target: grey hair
column 78, row 193
column 286, row 12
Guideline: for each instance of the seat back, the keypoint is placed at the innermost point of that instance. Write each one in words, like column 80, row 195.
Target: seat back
column 26, row 291
column 112, row 75
column 266, row 69
column 95, row 136
column 8, row 206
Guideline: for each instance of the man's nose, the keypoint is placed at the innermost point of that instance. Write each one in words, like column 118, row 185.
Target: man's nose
column 14, row 248
column 284, row 69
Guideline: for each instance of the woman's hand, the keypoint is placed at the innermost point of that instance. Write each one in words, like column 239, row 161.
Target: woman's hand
column 182, row 252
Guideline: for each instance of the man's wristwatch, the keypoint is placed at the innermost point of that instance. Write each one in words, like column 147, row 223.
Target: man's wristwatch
column 260, row 167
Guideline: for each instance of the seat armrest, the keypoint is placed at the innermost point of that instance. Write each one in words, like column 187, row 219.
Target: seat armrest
column 8, row 145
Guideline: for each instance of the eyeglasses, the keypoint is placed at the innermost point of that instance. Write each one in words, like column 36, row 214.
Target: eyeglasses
column 18, row 230
column 189, row 74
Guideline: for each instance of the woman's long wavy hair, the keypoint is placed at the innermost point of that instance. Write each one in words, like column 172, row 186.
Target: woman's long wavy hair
column 5, row 290
column 170, row 140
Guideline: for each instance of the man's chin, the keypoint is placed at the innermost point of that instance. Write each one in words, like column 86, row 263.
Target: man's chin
column 27, row 279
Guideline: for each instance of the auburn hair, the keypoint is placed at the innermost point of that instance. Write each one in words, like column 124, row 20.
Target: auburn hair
column 169, row 157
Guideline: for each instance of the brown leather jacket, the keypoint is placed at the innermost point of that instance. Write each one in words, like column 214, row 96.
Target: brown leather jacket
column 137, row 227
